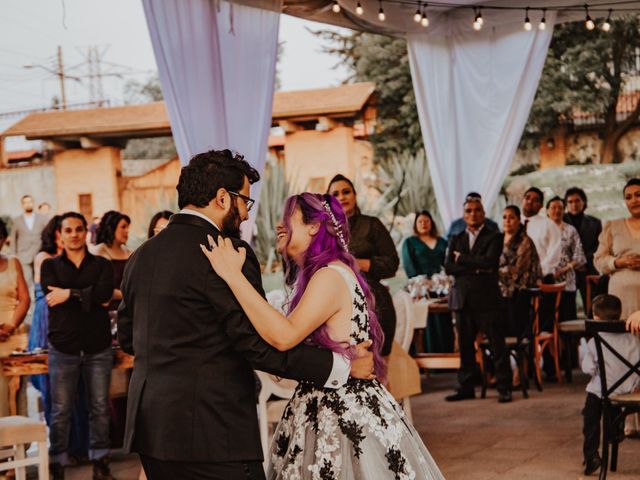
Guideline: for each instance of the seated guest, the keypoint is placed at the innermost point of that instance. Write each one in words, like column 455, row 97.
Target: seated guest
column 371, row 243
column 77, row 285
column 589, row 229
column 519, row 270
column 459, row 226
column 571, row 258
column 423, row 254
column 158, row 222
column 473, row 258
column 605, row 307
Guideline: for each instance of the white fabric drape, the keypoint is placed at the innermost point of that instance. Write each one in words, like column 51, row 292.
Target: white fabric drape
column 216, row 63
column 474, row 92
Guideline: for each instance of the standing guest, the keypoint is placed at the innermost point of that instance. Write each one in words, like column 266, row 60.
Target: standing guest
column 459, row 226
column 93, row 231
column 14, row 304
column 589, row 229
column 78, row 284
column 44, row 208
column 51, row 247
column 424, row 254
column 159, row 222
column 605, row 307
column 25, row 236
column 112, row 238
column 545, row 234
column 473, row 258
column 572, row 258
column 375, row 254
column 618, row 253
column 519, row 270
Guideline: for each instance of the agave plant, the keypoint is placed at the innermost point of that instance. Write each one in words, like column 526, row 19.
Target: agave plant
column 275, row 190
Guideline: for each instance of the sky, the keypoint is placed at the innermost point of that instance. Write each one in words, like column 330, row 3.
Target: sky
column 31, row 30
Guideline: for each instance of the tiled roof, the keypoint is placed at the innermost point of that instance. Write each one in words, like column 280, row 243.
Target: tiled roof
column 151, row 119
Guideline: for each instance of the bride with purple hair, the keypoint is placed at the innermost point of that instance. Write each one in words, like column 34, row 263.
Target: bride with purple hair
column 357, row 431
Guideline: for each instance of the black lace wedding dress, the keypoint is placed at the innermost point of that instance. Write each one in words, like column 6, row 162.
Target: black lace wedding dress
column 357, row 432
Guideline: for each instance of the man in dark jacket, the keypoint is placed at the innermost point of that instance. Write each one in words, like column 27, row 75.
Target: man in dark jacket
column 473, row 258
column 589, row 229
column 191, row 410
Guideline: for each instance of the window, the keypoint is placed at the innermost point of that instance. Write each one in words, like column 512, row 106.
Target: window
column 85, row 204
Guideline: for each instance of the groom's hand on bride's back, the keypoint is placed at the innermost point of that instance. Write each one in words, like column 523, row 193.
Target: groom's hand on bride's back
column 362, row 363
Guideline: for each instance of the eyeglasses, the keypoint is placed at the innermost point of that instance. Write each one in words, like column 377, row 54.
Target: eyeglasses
column 248, row 201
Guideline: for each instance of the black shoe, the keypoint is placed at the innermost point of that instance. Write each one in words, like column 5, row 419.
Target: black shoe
column 57, row 471
column 461, row 395
column 592, row 464
column 505, row 397
column 101, row 469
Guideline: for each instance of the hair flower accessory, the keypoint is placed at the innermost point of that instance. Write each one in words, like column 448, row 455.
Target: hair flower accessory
column 336, row 225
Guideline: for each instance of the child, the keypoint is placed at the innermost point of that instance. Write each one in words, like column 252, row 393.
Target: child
column 605, row 307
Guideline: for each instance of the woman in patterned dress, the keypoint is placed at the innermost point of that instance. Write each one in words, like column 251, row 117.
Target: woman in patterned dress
column 357, row 431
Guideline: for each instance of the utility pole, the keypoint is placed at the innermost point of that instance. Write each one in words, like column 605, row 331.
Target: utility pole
column 60, row 73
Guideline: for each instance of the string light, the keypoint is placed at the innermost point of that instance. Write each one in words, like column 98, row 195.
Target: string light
column 543, row 23
column 527, row 22
column 606, row 26
column 588, row 22
column 359, row 9
column 477, row 20
column 335, row 7
column 424, row 21
column 418, row 15
column 381, row 16
column 479, row 17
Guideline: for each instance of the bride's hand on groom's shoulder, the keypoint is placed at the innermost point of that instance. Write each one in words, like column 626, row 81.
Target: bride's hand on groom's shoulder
column 224, row 258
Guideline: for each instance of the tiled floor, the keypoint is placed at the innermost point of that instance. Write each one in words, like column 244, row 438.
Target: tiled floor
column 539, row 438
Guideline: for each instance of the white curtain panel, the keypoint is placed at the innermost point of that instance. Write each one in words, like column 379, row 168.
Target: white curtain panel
column 216, row 62
column 474, row 91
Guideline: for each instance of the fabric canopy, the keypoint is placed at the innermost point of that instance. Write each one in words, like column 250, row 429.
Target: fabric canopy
column 216, row 63
column 474, row 92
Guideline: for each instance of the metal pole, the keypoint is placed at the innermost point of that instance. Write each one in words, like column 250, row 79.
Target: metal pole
column 61, row 76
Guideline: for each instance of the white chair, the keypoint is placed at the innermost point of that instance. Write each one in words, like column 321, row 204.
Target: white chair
column 15, row 433
column 404, row 308
column 271, row 412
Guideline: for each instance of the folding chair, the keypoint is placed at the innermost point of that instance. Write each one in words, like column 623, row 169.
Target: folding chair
column 628, row 403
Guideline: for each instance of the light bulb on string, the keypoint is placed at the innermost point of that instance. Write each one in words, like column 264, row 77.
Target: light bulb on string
column 381, row 16
column 588, row 21
column 527, row 21
column 606, row 26
column 424, row 21
column 417, row 17
column 359, row 9
column 335, row 7
column 477, row 25
column 479, row 18
column 543, row 23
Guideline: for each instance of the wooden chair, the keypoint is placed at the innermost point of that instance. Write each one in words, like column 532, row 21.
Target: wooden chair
column 629, row 403
column 547, row 340
column 517, row 348
column 592, row 282
column 16, row 432
column 570, row 331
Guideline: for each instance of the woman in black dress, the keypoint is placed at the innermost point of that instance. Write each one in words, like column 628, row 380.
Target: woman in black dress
column 375, row 253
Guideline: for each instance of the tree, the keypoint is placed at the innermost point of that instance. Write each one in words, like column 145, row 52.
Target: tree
column 141, row 148
column 384, row 61
column 587, row 71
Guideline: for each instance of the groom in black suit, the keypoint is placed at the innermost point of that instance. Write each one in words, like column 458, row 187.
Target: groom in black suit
column 472, row 258
column 191, row 411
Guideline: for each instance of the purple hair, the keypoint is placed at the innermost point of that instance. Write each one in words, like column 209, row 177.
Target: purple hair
column 327, row 247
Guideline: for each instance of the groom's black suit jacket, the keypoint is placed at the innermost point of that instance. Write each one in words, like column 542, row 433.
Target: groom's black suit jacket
column 192, row 395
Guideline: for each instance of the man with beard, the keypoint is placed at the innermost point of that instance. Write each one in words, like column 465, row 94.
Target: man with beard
column 25, row 236
column 191, row 410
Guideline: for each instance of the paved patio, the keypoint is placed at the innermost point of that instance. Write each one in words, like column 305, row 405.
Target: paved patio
column 539, row 438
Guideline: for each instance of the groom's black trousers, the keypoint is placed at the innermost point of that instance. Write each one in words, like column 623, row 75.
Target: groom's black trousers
column 163, row 470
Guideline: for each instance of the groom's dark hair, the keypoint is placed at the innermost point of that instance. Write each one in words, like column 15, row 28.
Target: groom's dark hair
column 210, row 171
